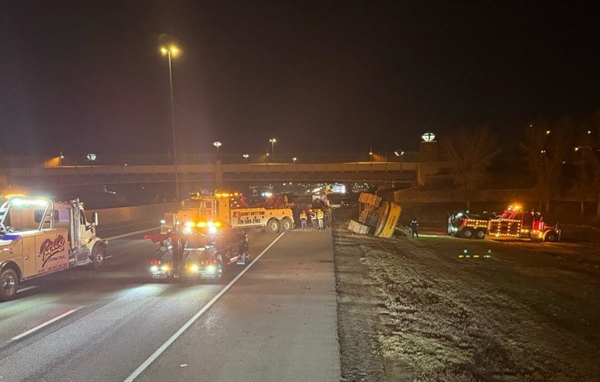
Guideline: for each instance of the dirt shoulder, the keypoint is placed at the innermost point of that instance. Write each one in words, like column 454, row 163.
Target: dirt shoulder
column 414, row 310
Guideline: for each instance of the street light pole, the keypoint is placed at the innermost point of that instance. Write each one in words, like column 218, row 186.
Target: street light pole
column 169, row 52
column 273, row 140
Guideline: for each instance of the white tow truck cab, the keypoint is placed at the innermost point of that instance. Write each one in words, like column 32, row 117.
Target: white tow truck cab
column 39, row 237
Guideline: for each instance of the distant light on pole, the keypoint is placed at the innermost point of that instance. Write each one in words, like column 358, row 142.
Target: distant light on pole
column 217, row 144
column 399, row 153
column 273, row 140
column 294, row 159
column 61, row 156
column 172, row 51
column 246, row 156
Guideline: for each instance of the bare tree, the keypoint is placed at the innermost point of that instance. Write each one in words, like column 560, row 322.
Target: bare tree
column 545, row 148
column 587, row 152
column 470, row 153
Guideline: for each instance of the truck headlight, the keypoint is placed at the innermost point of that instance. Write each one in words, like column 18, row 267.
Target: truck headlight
column 154, row 268
column 164, row 268
column 194, row 268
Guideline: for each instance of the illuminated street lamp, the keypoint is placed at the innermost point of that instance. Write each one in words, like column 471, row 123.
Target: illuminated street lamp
column 61, row 156
column 273, row 140
column 294, row 159
column 398, row 153
column 217, row 144
column 172, row 51
column 246, row 156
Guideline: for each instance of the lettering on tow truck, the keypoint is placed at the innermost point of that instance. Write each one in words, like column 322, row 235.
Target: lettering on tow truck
column 49, row 248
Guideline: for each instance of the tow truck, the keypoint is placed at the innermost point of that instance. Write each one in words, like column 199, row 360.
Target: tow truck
column 514, row 222
column 39, row 237
column 232, row 210
column 201, row 250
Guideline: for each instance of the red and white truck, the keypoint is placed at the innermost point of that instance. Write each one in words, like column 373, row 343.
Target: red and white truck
column 39, row 237
column 514, row 222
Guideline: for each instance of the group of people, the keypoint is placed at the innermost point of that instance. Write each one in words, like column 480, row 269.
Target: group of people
column 317, row 218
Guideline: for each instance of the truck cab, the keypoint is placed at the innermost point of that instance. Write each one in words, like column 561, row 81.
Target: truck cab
column 39, row 237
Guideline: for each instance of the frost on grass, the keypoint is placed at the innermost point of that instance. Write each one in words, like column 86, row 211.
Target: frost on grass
column 439, row 320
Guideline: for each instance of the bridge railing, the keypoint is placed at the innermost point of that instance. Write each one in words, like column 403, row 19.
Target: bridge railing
column 199, row 159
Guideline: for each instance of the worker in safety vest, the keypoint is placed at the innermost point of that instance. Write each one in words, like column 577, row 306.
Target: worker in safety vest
column 303, row 219
column 320, row 218
column 313, row 219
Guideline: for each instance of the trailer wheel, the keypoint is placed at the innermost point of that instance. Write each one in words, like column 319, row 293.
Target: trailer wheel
column 480, row 234
column 286, row 224
column 272, row 226
column 468, row 233
column 98, row 256
column 9, row 283
column 551, row 236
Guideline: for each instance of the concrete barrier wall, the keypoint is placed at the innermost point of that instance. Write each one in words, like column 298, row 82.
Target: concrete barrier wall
column 135, row 213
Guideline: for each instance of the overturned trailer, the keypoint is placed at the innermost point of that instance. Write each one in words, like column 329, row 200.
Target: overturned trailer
column 376, row 216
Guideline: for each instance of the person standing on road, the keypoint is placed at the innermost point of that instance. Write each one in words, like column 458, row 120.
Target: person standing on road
column 303, row 220
column 413, row 227
column 313, row 219
column 320, row 218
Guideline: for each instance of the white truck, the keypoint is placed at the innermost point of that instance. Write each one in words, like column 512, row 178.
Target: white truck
column 39, row 237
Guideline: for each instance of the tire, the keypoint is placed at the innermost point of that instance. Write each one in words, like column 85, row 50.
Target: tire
column 551, row 236
column 9, row 284
column 98, row 256
column 286, row 225
column 468, row 233
column 480, row 234
column 272, row 226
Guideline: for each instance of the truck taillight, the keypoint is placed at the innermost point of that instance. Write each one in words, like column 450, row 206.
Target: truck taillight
column 154, row 262
column 209, row 261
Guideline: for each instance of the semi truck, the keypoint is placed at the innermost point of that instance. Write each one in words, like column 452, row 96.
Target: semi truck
column 39, row 237
column 231, row 210
column 514, row 222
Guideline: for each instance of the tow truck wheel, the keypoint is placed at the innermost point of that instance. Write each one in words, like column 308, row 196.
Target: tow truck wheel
column 551, row 236
column 479, row 234
column 98, row 255
column 468, row 233
column 272, row 226
column 9, row 283
column 286, row 225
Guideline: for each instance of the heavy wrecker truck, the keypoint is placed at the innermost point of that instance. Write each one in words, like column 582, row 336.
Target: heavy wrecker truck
column 39, row 237
column 200, row 251
column 514, row 222
column 231, row 210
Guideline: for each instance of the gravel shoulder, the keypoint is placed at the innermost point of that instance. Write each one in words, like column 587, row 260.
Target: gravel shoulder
column 412, row 309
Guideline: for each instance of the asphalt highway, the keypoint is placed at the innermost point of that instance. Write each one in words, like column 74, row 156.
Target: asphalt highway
column 272, row 320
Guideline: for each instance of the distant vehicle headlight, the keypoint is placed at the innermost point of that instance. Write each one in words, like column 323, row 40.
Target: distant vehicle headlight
column 164, row 268
column 194, row 267
column 154, row 268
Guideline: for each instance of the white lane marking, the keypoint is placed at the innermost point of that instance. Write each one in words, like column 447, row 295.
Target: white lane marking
column 180, row 331
column 21, row 290
column 128, row 234
column 43, row 325
column 131, row 233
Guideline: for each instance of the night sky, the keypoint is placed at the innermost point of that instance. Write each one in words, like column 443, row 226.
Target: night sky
column 319, row 76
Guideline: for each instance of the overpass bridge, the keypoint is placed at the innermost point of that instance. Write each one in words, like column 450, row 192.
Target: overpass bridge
column 219, row 170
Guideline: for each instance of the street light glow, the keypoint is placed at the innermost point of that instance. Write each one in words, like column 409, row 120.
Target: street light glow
column 170, row 52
